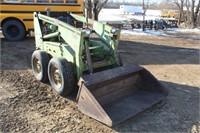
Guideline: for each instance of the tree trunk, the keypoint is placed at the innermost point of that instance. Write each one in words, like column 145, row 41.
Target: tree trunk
column 98, row 5
column 188, row 14
column 196, row 14
column 180, row 7
column 192, row 16
column 181, row 11
column 96, row 13
column 89, row 9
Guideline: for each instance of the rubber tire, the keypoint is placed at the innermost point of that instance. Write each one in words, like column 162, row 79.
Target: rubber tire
column 67, row 75
column 17, row 24
column 43, row 57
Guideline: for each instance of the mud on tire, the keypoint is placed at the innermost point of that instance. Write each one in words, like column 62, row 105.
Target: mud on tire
column 61, row 76
column 39, row 63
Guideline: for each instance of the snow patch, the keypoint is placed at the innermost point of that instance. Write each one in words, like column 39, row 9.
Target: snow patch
column 185, row 30
column 108, row 15
column 143, row 33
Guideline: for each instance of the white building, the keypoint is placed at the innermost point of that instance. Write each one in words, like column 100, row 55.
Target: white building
column 131, row 9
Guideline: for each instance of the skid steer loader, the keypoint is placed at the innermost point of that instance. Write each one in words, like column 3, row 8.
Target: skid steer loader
column 71, row 50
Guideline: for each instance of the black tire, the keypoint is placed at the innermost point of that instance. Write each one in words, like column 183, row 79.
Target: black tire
column 39, row 63
column 13, row 30
column 61, row 76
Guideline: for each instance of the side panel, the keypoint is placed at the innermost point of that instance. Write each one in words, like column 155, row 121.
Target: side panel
column 59, row 50
column 31, row 7
column 71, row 46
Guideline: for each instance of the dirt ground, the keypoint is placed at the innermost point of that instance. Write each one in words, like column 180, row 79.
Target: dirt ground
column 27, row 105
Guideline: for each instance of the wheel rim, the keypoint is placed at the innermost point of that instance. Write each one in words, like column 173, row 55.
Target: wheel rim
column 37, row 66
column 56, row 76
column 13, row 30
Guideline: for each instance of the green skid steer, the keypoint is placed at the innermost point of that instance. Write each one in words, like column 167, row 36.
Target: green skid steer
column 74, row 50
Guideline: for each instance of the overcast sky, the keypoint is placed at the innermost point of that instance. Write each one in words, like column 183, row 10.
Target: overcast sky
column 135, row 1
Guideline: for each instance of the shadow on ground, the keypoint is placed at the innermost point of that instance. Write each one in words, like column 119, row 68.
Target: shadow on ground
column 151, row 54
column 192, row 36
column 17, row 55
column 179, row 112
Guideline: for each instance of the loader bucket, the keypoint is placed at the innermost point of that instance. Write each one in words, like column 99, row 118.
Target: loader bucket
column 114, row 95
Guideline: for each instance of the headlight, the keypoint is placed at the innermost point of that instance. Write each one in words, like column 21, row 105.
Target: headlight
column 88, row 31
column 113, row 30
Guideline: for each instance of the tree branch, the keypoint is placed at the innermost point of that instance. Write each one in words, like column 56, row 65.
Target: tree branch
column 197, row 8
column 101, row 5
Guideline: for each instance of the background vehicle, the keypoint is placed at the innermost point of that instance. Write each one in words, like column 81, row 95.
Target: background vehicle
column 169, row 13
column 131, row 9
column 16, row 16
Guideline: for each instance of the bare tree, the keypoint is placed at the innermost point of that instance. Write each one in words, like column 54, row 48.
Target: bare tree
column 188, row 13
column 94, row 7
column 98, row 5
column 191, row 17
column 195, row 13
column 180, row 4
column 192, row 13
column 164, row 4
column 167, row 4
